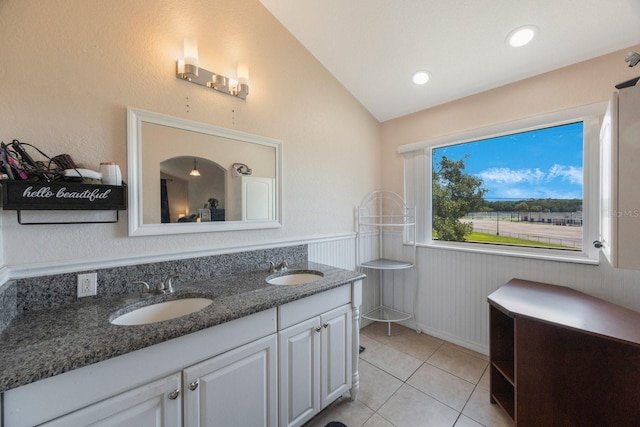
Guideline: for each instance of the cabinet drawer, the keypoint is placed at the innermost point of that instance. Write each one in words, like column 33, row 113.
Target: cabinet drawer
column 306, row 308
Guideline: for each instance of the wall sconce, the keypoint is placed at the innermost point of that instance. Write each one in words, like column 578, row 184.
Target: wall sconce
column 241, row 169
column 194, row 171
column 188, row 69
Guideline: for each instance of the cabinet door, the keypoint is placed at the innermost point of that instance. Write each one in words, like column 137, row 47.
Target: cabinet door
column 236, row 388
column 619, row 192
column 154, row 404
column 299, row 355
column 336, row 354
column 609, row 182
column 257, row 198
column 628, row 210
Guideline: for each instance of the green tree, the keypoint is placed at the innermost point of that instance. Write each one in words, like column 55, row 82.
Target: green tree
column 455, row 194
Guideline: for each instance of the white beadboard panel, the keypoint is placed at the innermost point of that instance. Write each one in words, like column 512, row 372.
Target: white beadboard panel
column 339, row 252
column 453, row 286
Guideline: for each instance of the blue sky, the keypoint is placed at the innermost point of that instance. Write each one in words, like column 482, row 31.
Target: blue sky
column 546, row 163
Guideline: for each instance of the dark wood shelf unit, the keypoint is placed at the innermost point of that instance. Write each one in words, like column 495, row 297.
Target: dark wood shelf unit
column 561, row 357
column 506, row 370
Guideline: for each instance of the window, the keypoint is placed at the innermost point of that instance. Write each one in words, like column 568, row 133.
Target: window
column 521, row 189
column 516, row 189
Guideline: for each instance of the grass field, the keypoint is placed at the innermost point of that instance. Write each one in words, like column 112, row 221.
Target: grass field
column 506, row 240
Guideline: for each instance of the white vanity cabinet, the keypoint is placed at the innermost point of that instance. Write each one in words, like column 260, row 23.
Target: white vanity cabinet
column 236, row 388
column 138, row 388
column 317, row 347
column 280, row 366
column 158, row 403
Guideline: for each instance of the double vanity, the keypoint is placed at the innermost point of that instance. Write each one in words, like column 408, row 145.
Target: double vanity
column 255, row 348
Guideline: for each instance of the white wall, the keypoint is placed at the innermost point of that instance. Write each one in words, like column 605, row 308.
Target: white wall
column 70, row 68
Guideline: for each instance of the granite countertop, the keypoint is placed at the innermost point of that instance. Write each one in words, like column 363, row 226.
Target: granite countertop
column 38, row 345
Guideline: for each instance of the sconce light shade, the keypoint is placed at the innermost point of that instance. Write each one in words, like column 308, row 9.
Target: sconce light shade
column 220, row 82
column 188, row 69
column 188, row 66
column 191, row 55
column 242, row 90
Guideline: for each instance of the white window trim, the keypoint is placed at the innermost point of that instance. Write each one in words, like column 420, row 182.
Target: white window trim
column 418, row 168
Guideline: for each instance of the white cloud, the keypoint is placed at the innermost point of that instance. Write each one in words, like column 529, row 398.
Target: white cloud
column 506, row 183
column 510, row 176
column 572, row 174
column 568, row 173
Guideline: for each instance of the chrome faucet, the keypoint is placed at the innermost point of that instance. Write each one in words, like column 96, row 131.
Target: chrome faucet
column 280, row 267
column 166, row 287
column 145, row 286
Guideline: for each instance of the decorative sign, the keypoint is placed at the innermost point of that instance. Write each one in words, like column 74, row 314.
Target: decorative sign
column 37, row 195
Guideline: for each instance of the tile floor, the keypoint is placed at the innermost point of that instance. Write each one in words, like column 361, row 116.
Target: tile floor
column 411, row 379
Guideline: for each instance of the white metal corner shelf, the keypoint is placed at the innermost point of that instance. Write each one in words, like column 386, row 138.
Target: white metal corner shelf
column 386, row 240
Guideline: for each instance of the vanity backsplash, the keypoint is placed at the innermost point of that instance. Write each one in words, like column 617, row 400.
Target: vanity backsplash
column 37, row 293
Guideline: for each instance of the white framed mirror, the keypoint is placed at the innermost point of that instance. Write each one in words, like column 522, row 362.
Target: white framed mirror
column 190, row 177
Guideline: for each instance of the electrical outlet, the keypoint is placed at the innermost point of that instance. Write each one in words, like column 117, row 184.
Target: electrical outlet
column 87, row 284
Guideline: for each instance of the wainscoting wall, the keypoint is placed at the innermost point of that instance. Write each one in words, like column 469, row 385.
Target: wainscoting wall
column 454, row 285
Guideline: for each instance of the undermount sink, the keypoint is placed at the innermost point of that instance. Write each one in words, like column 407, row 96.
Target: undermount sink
column 162, row 311
column 295, row 278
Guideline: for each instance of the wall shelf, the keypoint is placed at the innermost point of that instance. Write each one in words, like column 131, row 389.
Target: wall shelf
column 62, row 196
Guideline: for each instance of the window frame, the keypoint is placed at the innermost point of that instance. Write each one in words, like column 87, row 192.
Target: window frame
column 418, row 183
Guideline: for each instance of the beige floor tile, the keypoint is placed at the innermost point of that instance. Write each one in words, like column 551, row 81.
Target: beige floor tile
column 375, row 329
column 410, row 407
column 352, row 414
column 467, row 422
column 443, row 386
column 376, row 386
column 432, row 389
column 468, row 351
column 484, row 380
column 377, row 421
column 459, row 363
column 480, row 410
column 420, row 346
column 390, row 360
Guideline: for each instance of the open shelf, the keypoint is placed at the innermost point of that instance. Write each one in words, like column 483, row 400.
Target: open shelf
column 507, row 370
column 62, row 196
column 506, row 402
column 386, row 314
column 386, row 264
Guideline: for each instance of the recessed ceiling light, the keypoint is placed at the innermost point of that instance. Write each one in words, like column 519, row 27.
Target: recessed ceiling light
column 420, row 77
column 522, row 35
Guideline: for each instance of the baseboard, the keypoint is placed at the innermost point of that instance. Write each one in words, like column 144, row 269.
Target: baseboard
column 455, row 340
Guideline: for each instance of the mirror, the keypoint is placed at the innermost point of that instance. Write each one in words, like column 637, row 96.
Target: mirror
column 189, row 177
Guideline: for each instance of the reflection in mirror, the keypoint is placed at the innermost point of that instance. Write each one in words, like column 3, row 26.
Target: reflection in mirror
column 187, row 177
column 191, row 189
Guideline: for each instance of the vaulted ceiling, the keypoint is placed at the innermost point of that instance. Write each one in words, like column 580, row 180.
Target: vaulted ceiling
column 373, row 47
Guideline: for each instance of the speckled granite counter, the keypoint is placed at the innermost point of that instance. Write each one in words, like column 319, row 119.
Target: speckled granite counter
column 38, row 345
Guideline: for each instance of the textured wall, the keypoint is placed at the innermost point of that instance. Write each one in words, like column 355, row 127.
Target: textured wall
column 71, row 67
